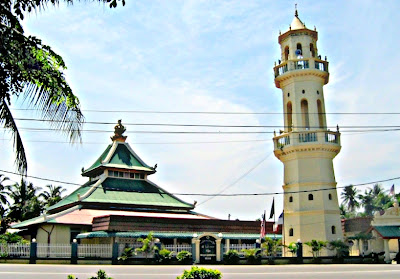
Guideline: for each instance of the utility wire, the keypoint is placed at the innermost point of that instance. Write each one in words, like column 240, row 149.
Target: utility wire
column 215, row 112
column 221, row 195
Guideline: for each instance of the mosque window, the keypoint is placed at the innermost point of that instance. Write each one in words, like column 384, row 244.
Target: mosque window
column 286, row 53
column 299, row 51
column 333, row 228
column 310, row 197
column 303, row 91
column 290, row 199
column 288, row 94
column 317, row 92
column 289, row 116
column 330, row 196
column 320, row 114
column 312, row 50
column 291, row 232
column 304, row 114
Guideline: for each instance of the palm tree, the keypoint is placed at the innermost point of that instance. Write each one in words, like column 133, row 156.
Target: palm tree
column 3, row 193
column 52, row 195
column 367, row 200
column 349, row 196
column 26, row 204
column 33, row 71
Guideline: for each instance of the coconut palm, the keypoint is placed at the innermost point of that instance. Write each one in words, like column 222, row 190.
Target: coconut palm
column 349, row 196
column 367, row 200
column 3, row 192
column 52, row 195
column 25, row 204
column 33, row 71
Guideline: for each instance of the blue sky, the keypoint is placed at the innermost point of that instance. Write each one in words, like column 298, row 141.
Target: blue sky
column 214, row 56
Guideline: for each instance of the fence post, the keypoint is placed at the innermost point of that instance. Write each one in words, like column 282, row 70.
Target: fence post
column 299, row 251
column 74, row 252
column 115, row 251
column 33, row 252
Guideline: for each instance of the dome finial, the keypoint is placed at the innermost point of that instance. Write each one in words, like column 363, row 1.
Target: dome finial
column 296, row 14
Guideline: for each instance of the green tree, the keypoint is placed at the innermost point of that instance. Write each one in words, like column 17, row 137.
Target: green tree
column 367, row 201
column 52, row 195
column 272, row 246
column 316, row 246
column 341, row 248
column 350, row 195
column 26, row 204
column 33, row 71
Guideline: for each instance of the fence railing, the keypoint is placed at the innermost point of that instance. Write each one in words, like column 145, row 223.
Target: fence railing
column 15, row 250
column 95, row 250
column 178, row 248
column 53, row 250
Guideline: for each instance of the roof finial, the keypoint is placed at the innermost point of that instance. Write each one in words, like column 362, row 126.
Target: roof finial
column 119, row 129
column 296, row 14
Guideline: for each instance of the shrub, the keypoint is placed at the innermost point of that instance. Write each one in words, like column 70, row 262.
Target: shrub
column 101, row 274
column 272, row 246
column 128, row 253
column 12, row 238
column 316, row 246
column 293, row 248
column 200, row 272
column 184, row 256
column 164, row 256
column 341, row 248
column 253, row 256
column 231, row 257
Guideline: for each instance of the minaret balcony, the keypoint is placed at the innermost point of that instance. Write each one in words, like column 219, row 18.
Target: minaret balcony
column 298, row 66
column 307, row 139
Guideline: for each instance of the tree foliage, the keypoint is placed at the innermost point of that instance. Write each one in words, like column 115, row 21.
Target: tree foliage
column 32, row 71
column 316, row 246
column 52, row 195
column 200, row 272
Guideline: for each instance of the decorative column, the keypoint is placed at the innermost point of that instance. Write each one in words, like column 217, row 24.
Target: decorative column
column 196, row 247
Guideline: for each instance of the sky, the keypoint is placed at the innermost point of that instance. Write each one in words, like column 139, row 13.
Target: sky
column 214, row 56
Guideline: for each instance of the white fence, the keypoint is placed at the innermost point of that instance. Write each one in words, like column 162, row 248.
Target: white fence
column 53, row 250
column 179, row 248
column 95, row 250
column 15, row 250
column 239, row 247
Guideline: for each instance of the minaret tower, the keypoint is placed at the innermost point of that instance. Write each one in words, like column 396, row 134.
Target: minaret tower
column 305, row 146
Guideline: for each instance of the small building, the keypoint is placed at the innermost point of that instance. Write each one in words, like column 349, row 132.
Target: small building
column 119, row 204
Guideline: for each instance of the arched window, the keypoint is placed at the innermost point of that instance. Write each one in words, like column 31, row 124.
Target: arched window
column 330, row 196
column 299, row 51
column 333, row 228
column 286, row 53
column 289, row 116
column 320, row 114
column 312, row 50
column 291, row 232
column 310, row 197
column 290, row 199
column 304, row 114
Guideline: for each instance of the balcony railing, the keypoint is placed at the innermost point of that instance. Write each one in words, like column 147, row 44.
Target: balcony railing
column 300, row 64
column 314, row 137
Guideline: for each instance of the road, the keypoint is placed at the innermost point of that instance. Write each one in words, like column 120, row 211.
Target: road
column 18, row 271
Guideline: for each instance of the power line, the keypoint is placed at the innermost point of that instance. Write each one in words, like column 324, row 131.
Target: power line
column 216, row 112
column 222, row 195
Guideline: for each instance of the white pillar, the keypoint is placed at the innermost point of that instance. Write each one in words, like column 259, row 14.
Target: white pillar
column 218, row 243
column 387, row 251
column 361, row 246
column 227, row 244
column 196, row 242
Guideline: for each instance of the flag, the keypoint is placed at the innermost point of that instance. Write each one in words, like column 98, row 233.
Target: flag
column 272, row 213
column 392, row 193
column 280, row 222
column 263, row 223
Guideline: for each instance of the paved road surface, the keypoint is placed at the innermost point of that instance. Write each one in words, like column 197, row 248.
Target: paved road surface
column 18, row 271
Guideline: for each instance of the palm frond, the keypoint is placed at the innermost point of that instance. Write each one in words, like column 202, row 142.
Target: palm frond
column 7, row 120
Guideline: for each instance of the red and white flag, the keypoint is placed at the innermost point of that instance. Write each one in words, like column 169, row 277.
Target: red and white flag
column 263, row 224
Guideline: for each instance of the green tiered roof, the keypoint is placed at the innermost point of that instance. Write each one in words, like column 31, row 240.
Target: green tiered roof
column 119, row 155
column 124, row 192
